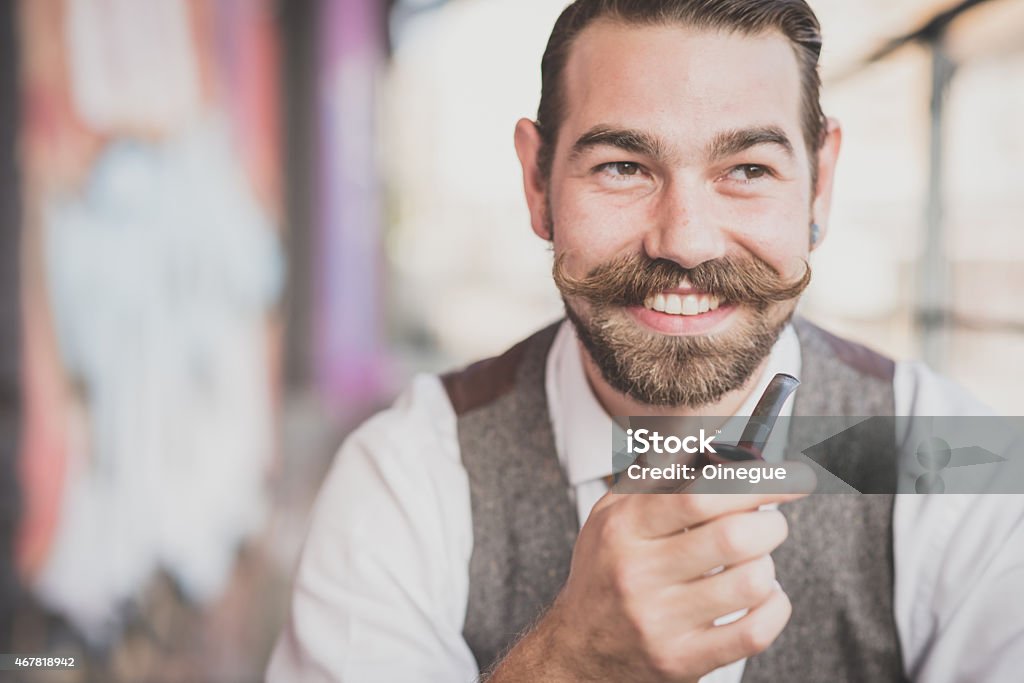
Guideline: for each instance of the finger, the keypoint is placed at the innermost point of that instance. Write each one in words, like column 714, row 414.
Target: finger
column 611, row 497
column 742, row 587
column 726, row 541
column 656, row 516
column 745, row 637
column 628, row 485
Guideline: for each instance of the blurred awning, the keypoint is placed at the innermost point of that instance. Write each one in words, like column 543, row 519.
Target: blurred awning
column 399, row 12
column 970, row 30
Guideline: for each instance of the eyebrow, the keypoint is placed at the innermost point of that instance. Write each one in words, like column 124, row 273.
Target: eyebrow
column 732, row 142
column 723, row 145
column 629, row 140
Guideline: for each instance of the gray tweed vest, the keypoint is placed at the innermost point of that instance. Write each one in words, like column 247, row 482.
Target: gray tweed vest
column 836, row 566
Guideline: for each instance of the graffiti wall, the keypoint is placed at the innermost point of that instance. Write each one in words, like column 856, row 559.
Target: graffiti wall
column 151, row 267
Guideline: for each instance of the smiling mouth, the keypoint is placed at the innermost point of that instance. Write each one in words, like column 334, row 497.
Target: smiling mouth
column 684, row 300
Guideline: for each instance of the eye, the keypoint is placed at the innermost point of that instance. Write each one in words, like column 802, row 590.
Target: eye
column 618, row 169
column 746, row 173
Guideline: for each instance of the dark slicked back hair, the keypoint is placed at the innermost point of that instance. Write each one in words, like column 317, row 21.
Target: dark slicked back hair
column 793, row 18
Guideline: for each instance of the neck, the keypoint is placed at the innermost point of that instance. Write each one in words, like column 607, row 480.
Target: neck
column 615, row 403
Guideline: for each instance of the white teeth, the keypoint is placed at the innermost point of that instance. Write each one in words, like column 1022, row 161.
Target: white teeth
column 687, row 304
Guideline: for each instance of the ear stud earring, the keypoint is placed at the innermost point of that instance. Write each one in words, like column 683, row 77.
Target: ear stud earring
column 815, row 233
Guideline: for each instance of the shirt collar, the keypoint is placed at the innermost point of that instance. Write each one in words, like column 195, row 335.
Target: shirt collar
column 582, row 429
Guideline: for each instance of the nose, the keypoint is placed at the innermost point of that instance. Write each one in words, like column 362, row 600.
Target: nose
column 683, row 228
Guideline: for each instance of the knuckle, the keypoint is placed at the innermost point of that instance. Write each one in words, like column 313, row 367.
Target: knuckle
column 772, row 529
column 639, row 623
column 787, row 608
column 695, row 505
column 758, row 635
column 630, row 577
column 643, row 616
column 762, row 627
column 623, row 578
column 664, row 661
column 782, row 526
column 757, row 580
column 611, row 527
column 643, row 627
column 730, row 537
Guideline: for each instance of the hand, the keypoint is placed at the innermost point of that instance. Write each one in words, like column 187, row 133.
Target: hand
column 641, row 599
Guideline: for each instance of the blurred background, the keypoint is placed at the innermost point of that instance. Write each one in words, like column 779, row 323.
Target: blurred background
column 232, row 229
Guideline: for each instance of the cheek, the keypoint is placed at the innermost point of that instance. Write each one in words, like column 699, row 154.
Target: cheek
column 594, row 229
column 778, row 237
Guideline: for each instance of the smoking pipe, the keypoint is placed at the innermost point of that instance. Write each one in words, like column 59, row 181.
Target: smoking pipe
column 759, row 427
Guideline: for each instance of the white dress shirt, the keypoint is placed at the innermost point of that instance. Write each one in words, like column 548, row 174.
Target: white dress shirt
column 383, row 581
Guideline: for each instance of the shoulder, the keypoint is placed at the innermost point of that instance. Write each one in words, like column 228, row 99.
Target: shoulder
column 920, row 390
column 382, row 580
column 483, row 382
column 421, row 413
column 395, row 457
column 396, row 497
column 818, row 342
column 397, row 475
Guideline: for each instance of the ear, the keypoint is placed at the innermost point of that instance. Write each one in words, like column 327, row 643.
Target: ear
column 828, row 155
column 528, row 144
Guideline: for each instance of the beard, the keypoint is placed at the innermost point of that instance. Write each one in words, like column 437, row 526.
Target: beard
column 677, row 371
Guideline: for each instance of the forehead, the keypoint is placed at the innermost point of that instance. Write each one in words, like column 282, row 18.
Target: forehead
column 682, row 83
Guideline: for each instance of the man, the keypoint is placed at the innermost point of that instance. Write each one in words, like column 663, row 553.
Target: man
column 682, row 169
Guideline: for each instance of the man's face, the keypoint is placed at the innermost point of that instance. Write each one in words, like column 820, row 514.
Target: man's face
column 681, row 154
